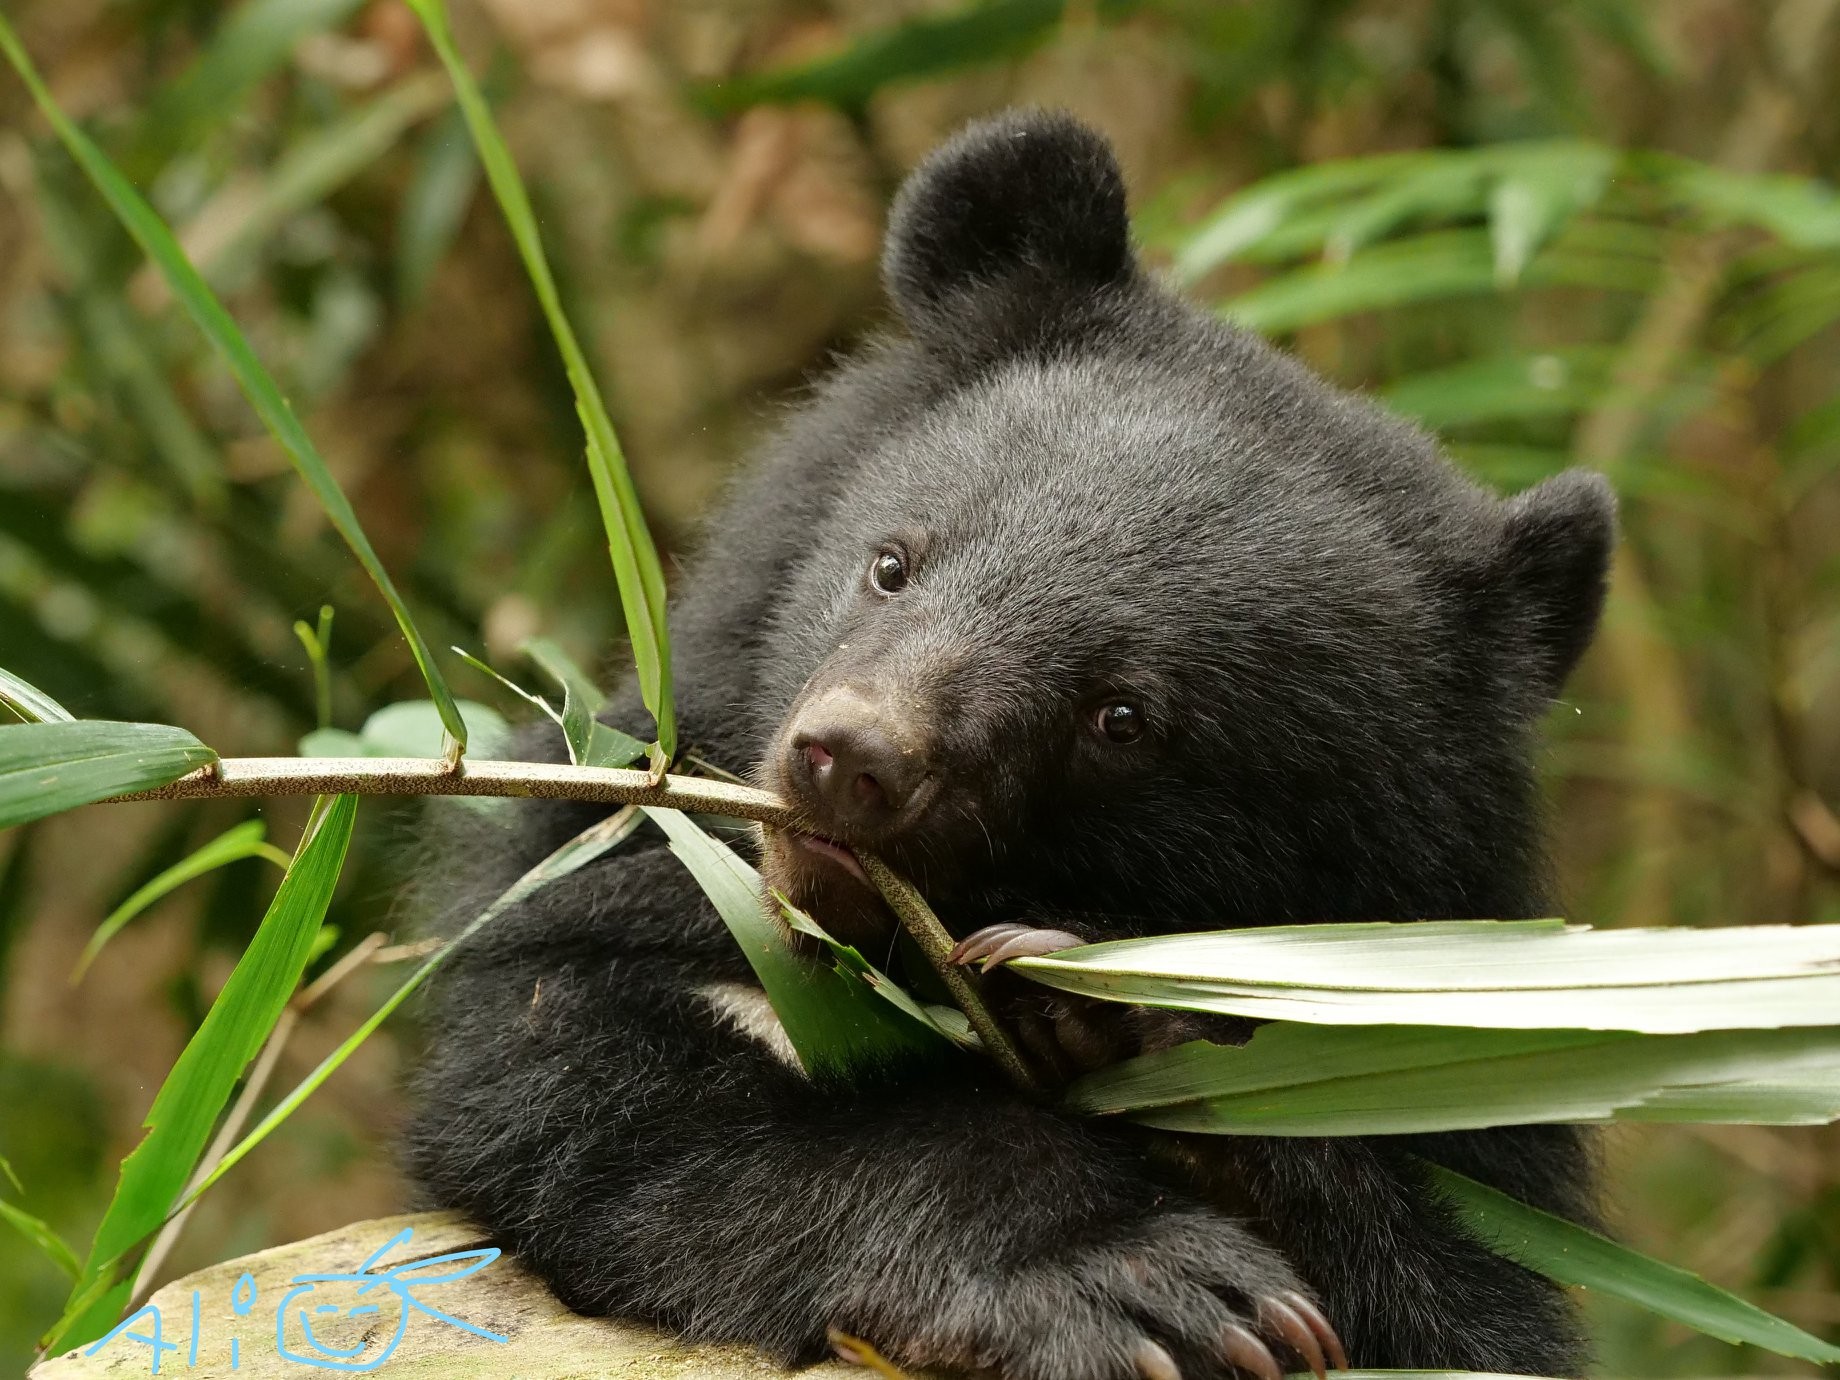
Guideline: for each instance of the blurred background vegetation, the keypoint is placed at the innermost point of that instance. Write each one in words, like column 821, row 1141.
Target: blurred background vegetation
column 1558, row 231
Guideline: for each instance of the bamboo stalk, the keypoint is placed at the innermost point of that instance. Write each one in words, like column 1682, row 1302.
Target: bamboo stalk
column 277, row 776
column 936, row 942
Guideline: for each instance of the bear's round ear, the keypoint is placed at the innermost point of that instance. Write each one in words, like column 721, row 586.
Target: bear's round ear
column 1555, row 565
column 1029, row 192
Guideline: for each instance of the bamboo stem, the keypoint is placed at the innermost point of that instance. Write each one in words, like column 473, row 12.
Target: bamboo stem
column 936, row 942
column 277, row 776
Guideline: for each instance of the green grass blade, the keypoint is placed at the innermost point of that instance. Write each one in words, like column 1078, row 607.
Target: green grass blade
column 251, row 43
column 434, row 205
column 318, row 645
column 838, row 1026
column 1568, row 1253
column 314, row 168
column 157, row 241
column 47, row 768
column 1505, row 975
column 635, row 559
column 1302, row 1080
column 194, row 1094
column 246, row 840
column 36, row 1230
column 578, row 852
column 30, row 704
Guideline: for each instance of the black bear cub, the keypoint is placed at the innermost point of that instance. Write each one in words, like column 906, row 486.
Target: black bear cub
column 1095, row 617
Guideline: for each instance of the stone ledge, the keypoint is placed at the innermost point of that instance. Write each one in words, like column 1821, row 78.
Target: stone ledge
column 544, row 1340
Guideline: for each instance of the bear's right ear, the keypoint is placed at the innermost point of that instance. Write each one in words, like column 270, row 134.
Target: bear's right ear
column 1029, row 193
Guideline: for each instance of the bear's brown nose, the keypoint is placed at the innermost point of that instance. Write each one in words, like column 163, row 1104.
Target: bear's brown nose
column 851, row 765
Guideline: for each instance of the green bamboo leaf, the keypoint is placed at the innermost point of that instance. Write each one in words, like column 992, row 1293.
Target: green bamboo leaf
column 1541, row 186
column 591, row 743
column 1447, row 189
column 1568, row 1253
column 195, row 1091
column 1519, row 975
column 837, row 1025
column 635, row 559
column 1430, row 267
column 257, row 384
column 1801, row 211
column 36, row 1230
column 1552, row 383
column 47, row 768
column 1304, row 1080
column 30, row 704
column 946, row 1021
column 578, row 852
column 246, row 840
column 1254, row 215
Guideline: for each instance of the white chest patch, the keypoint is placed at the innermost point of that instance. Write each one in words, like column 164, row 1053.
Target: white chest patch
column 745, row 1009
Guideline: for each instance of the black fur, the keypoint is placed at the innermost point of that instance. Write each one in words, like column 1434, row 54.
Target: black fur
column 1341, row 646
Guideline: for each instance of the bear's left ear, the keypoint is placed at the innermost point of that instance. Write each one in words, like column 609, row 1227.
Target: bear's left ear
column 1554, row 565
column 1029, row 193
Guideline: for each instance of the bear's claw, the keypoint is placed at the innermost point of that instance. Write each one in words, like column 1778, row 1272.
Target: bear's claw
column 998, row 944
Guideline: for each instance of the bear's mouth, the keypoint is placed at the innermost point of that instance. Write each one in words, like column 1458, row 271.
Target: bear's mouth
column 833, row 852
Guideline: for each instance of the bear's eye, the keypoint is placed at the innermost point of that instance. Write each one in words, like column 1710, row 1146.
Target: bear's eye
column 1120, row 721
column 888, row 573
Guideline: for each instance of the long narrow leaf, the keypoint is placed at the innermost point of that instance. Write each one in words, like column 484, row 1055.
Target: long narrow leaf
column 255, row 39
column 1522, row 975
column 246, row 840
column 47, row 768
column 36, row 1230
column 1568, row 1253
column 635, row 559
column 578, row 852
column 835, row 1023
column 1305, row 1080
column 264, row 395
column 29, row 703
column 194, row 1094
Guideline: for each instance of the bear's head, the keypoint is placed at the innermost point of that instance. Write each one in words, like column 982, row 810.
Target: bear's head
column 1109, row 609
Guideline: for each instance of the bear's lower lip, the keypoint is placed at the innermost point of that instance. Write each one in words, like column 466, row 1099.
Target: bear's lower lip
column 834, row 852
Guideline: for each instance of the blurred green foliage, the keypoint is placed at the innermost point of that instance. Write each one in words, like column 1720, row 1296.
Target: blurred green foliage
column 1557, row 231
